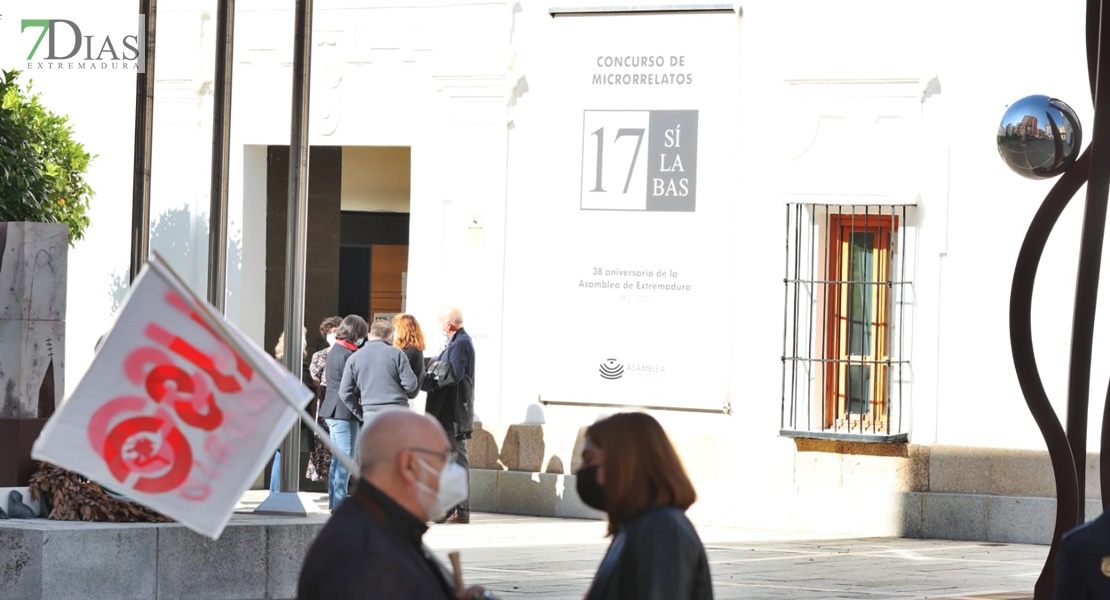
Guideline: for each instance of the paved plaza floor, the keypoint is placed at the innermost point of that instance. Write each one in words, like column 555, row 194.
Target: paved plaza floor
column 534, row 557
column 556, row 558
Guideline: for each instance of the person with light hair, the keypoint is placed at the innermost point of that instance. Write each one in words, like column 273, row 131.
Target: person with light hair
column 409, row 338
column 450, row 387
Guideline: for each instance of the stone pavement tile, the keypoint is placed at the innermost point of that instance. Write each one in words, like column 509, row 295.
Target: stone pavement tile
column 723, row 590
column 962, row 595
column 547, row 558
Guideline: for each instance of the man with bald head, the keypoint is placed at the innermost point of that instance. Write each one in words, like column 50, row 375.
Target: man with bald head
column 452, row 403
column 372, row 545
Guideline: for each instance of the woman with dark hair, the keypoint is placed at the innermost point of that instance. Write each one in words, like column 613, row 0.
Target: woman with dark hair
column 631, row 471
column 329, row 327
column 342, row 423
column 409, row 338
column 319, row 463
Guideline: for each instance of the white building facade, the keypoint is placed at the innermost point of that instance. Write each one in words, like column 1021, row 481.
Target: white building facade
column 695, row 209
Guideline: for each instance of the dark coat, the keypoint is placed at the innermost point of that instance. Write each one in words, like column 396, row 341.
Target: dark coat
column 416, row 361
column 332, row 407
column 372, row 548
column 453, row 405
column 655, row 556
column 1084, row 561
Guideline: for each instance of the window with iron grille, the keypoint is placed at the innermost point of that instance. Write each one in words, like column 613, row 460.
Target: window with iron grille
column 847, row 310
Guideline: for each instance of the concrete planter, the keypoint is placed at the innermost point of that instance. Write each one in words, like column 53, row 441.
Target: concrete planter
column 32, row 338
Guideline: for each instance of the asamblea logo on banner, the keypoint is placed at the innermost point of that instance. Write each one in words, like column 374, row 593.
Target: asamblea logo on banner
column 99, row 42
column 612, row 368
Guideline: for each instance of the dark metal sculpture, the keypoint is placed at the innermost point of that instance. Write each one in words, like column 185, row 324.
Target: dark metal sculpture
column 1066, row 448
column 17, row 509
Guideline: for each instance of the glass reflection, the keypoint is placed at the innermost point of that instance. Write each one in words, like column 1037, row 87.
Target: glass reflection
column 1039, row 137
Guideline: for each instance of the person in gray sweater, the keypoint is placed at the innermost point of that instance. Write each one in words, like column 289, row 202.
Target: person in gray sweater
column 378, row 374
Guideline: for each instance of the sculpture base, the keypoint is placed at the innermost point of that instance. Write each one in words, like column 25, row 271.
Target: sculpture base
column 124, row 561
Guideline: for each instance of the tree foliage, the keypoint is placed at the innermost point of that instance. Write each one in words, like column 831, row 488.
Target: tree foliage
column 42, row 168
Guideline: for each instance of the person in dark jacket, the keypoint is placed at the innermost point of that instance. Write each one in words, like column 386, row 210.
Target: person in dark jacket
column 631, row 471
column 342, row 423
column 409, row 337
column 452, row 404
column 372, row 546
column 1083, row 562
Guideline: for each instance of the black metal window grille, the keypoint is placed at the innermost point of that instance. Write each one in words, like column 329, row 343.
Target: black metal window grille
column 847, row 309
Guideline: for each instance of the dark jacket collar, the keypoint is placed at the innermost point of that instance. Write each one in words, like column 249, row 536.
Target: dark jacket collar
column 390, row 514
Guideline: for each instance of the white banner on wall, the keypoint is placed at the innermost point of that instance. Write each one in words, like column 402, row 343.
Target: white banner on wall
column 634, row 244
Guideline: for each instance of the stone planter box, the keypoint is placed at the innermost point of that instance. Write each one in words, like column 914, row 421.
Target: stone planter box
column 256, row 557
column 32, row 338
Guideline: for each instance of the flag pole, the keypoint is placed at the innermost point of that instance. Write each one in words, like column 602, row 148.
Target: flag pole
column 352, row 466
column 217, row 321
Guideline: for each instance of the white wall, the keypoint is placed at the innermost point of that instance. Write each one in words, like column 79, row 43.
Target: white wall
column 974, row 211
column 979, row 402
column 105, row 251
column 416, row 77
column 388, row 80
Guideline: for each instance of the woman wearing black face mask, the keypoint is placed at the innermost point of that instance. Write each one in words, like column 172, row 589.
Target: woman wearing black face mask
column 631, row 471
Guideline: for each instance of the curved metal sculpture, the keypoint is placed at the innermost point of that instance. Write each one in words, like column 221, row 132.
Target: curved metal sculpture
column 1067, row 449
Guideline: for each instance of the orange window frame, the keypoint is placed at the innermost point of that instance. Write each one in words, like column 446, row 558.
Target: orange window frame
column 838, row 413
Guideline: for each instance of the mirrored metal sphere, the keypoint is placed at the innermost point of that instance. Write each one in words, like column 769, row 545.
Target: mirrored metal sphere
column 1039, row 137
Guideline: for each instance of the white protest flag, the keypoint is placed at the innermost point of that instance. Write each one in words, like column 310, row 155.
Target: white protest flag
column 179, row 410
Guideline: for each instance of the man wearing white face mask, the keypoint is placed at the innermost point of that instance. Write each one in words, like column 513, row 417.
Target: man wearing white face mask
column 371, row 547
column 451, row 401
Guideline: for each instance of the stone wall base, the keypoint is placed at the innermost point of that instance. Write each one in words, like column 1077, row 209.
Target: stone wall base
column 819, row 486
column 925, row 515
column 256, row 557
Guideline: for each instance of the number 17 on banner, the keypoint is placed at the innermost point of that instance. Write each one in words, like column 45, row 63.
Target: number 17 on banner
column 639, row 160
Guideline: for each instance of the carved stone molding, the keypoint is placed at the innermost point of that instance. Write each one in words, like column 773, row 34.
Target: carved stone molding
column 856, row 140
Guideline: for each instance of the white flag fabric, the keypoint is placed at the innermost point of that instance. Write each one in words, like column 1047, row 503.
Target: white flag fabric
column 179, row 410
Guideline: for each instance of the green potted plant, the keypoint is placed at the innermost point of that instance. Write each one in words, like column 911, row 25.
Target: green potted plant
column 44, row 203
column 42, row 168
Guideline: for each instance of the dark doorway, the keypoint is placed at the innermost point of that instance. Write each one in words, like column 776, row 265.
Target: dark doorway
column 354, row 281
column 321, row 264
column 373, row 258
